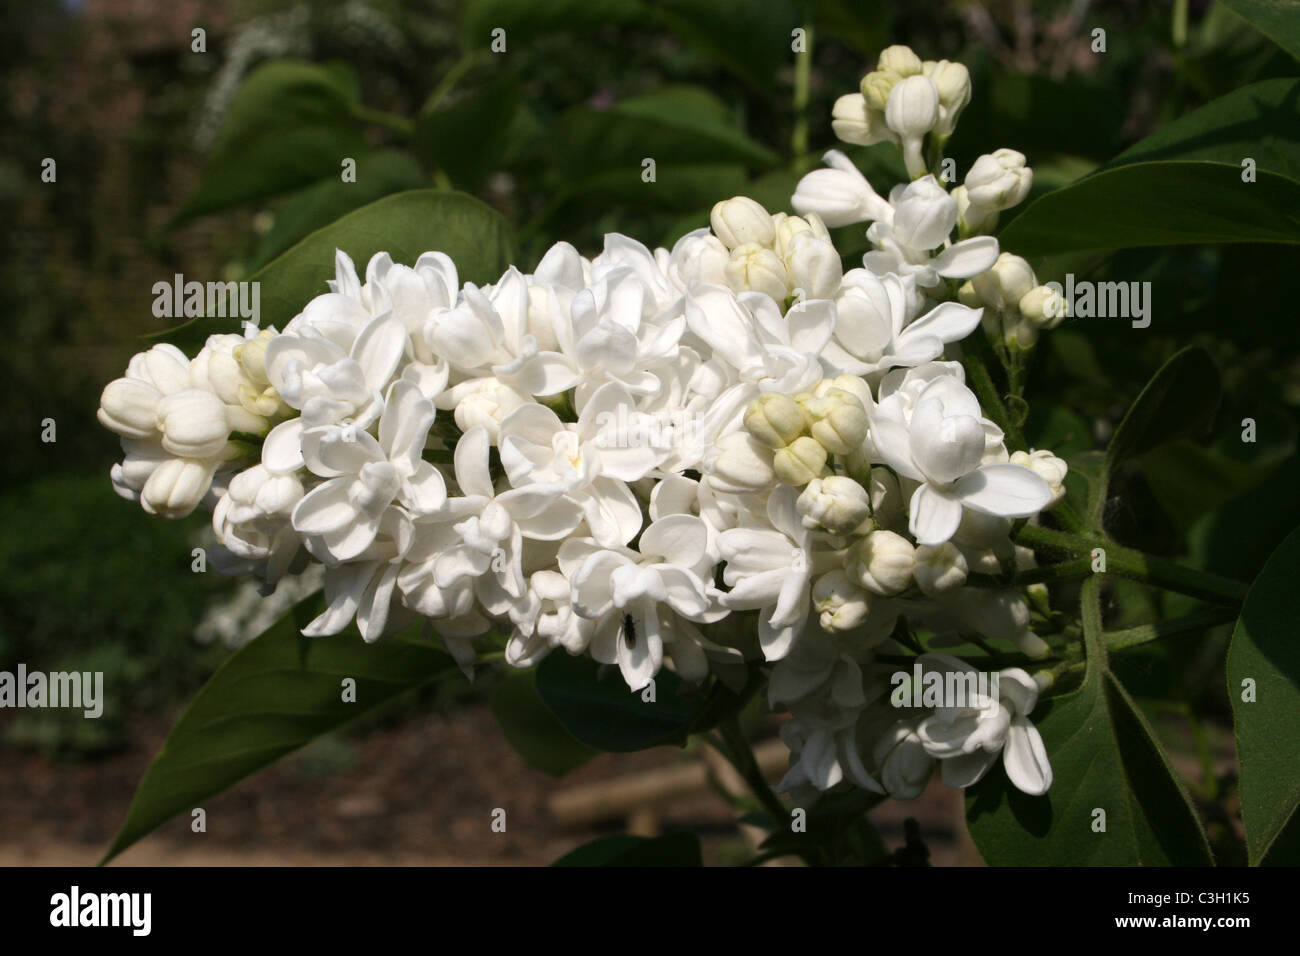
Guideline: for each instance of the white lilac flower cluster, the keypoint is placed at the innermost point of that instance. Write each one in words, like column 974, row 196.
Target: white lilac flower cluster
column 727, row 452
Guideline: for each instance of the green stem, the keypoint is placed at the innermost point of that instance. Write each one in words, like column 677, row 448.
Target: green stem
column 802, row 73
column 449, row 81
column 1145, row 633
column 1137, row 565
column 746, row 764
column 981, row 381
column 391, row 120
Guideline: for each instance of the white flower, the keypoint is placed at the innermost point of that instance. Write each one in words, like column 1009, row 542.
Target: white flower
column 967, row 739
column 876, row 325
column 921, row 219
column 193, row 424
column 941, row 445
column 176, row 486
column 252, row 520
column 952, row 80
column 771, row 569
column 814, row 267
column 854, row 121
column 904, row 764
column 366, row 476
column 1047, row 466
column 755, row 268
column 840, row 604
column 939, row 568
column 642, row 601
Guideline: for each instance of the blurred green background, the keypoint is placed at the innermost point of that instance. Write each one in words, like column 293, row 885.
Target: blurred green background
column 552, row 132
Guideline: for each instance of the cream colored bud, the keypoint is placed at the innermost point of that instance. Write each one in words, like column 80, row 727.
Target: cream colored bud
column 756, row 268
column 900, row 59
column 814, row 267
column 913, row 107
column 952, row 80
column 882, row 562
column 787, row 228
column 1043, row 306
column 939, row 568
column 251, row 355
column 741, row 220
column 1003, row 286
column 855, row 120
column 129, row 407
column 840, row 604
column 876, row 88
column 838, row 420
column 799, row 462
column 1046, row 466
column 193, row 424
column 775, row 420
column 999, row 180
column 836, row 503
column 176, row 487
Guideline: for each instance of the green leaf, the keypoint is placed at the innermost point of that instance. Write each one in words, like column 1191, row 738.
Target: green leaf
column 289, row 125
column 601, row 712
column 1104, row 756
column 1158, row 204
column 672, row 849
column 1264, row 650
column 379, row 174
column 1261, row 121
column 534, row 732
column 1279, row 20
column 277, row 693
column 405, row 225
column 676, row 126
column 1180, row 400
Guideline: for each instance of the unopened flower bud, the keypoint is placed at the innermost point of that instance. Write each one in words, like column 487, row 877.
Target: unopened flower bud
column 838, row 419
column 487, row 406
column 952, row 80
column 741, row 220
column 1043, row 306
column 175, row 487
column 1006, row 283
column 911, row 112
column 853, row 120
column 882, row 562
column 800, row 461
column 193, row 424
column 999, row 180
column 875, row 88
column 776, row 420
column 758, row 269
column 814, row 267
column 900, row 59
column 1046, row 466
column 840, row 604
column 836, row 503
column 939, row 568
column 251, row 355
column 129, row 407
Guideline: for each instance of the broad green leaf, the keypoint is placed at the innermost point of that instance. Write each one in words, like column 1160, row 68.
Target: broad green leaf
column 601, row 712
column 1104, row 756
column 672, row 849
column 405, row 225
column 379, row 174
column 1279, row 20
column 1260, row 121
column 1265, row 652
column 289, row 125
column 277, row 693
column 1158, row 204
column 534, row 732
column 675, row 126
column 1180, row 400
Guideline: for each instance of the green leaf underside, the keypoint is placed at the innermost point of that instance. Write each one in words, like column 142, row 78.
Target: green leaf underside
column 1264, row 649
column 1279, row 20
column 277, row 693
column 601, row 712
column 532, row 730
